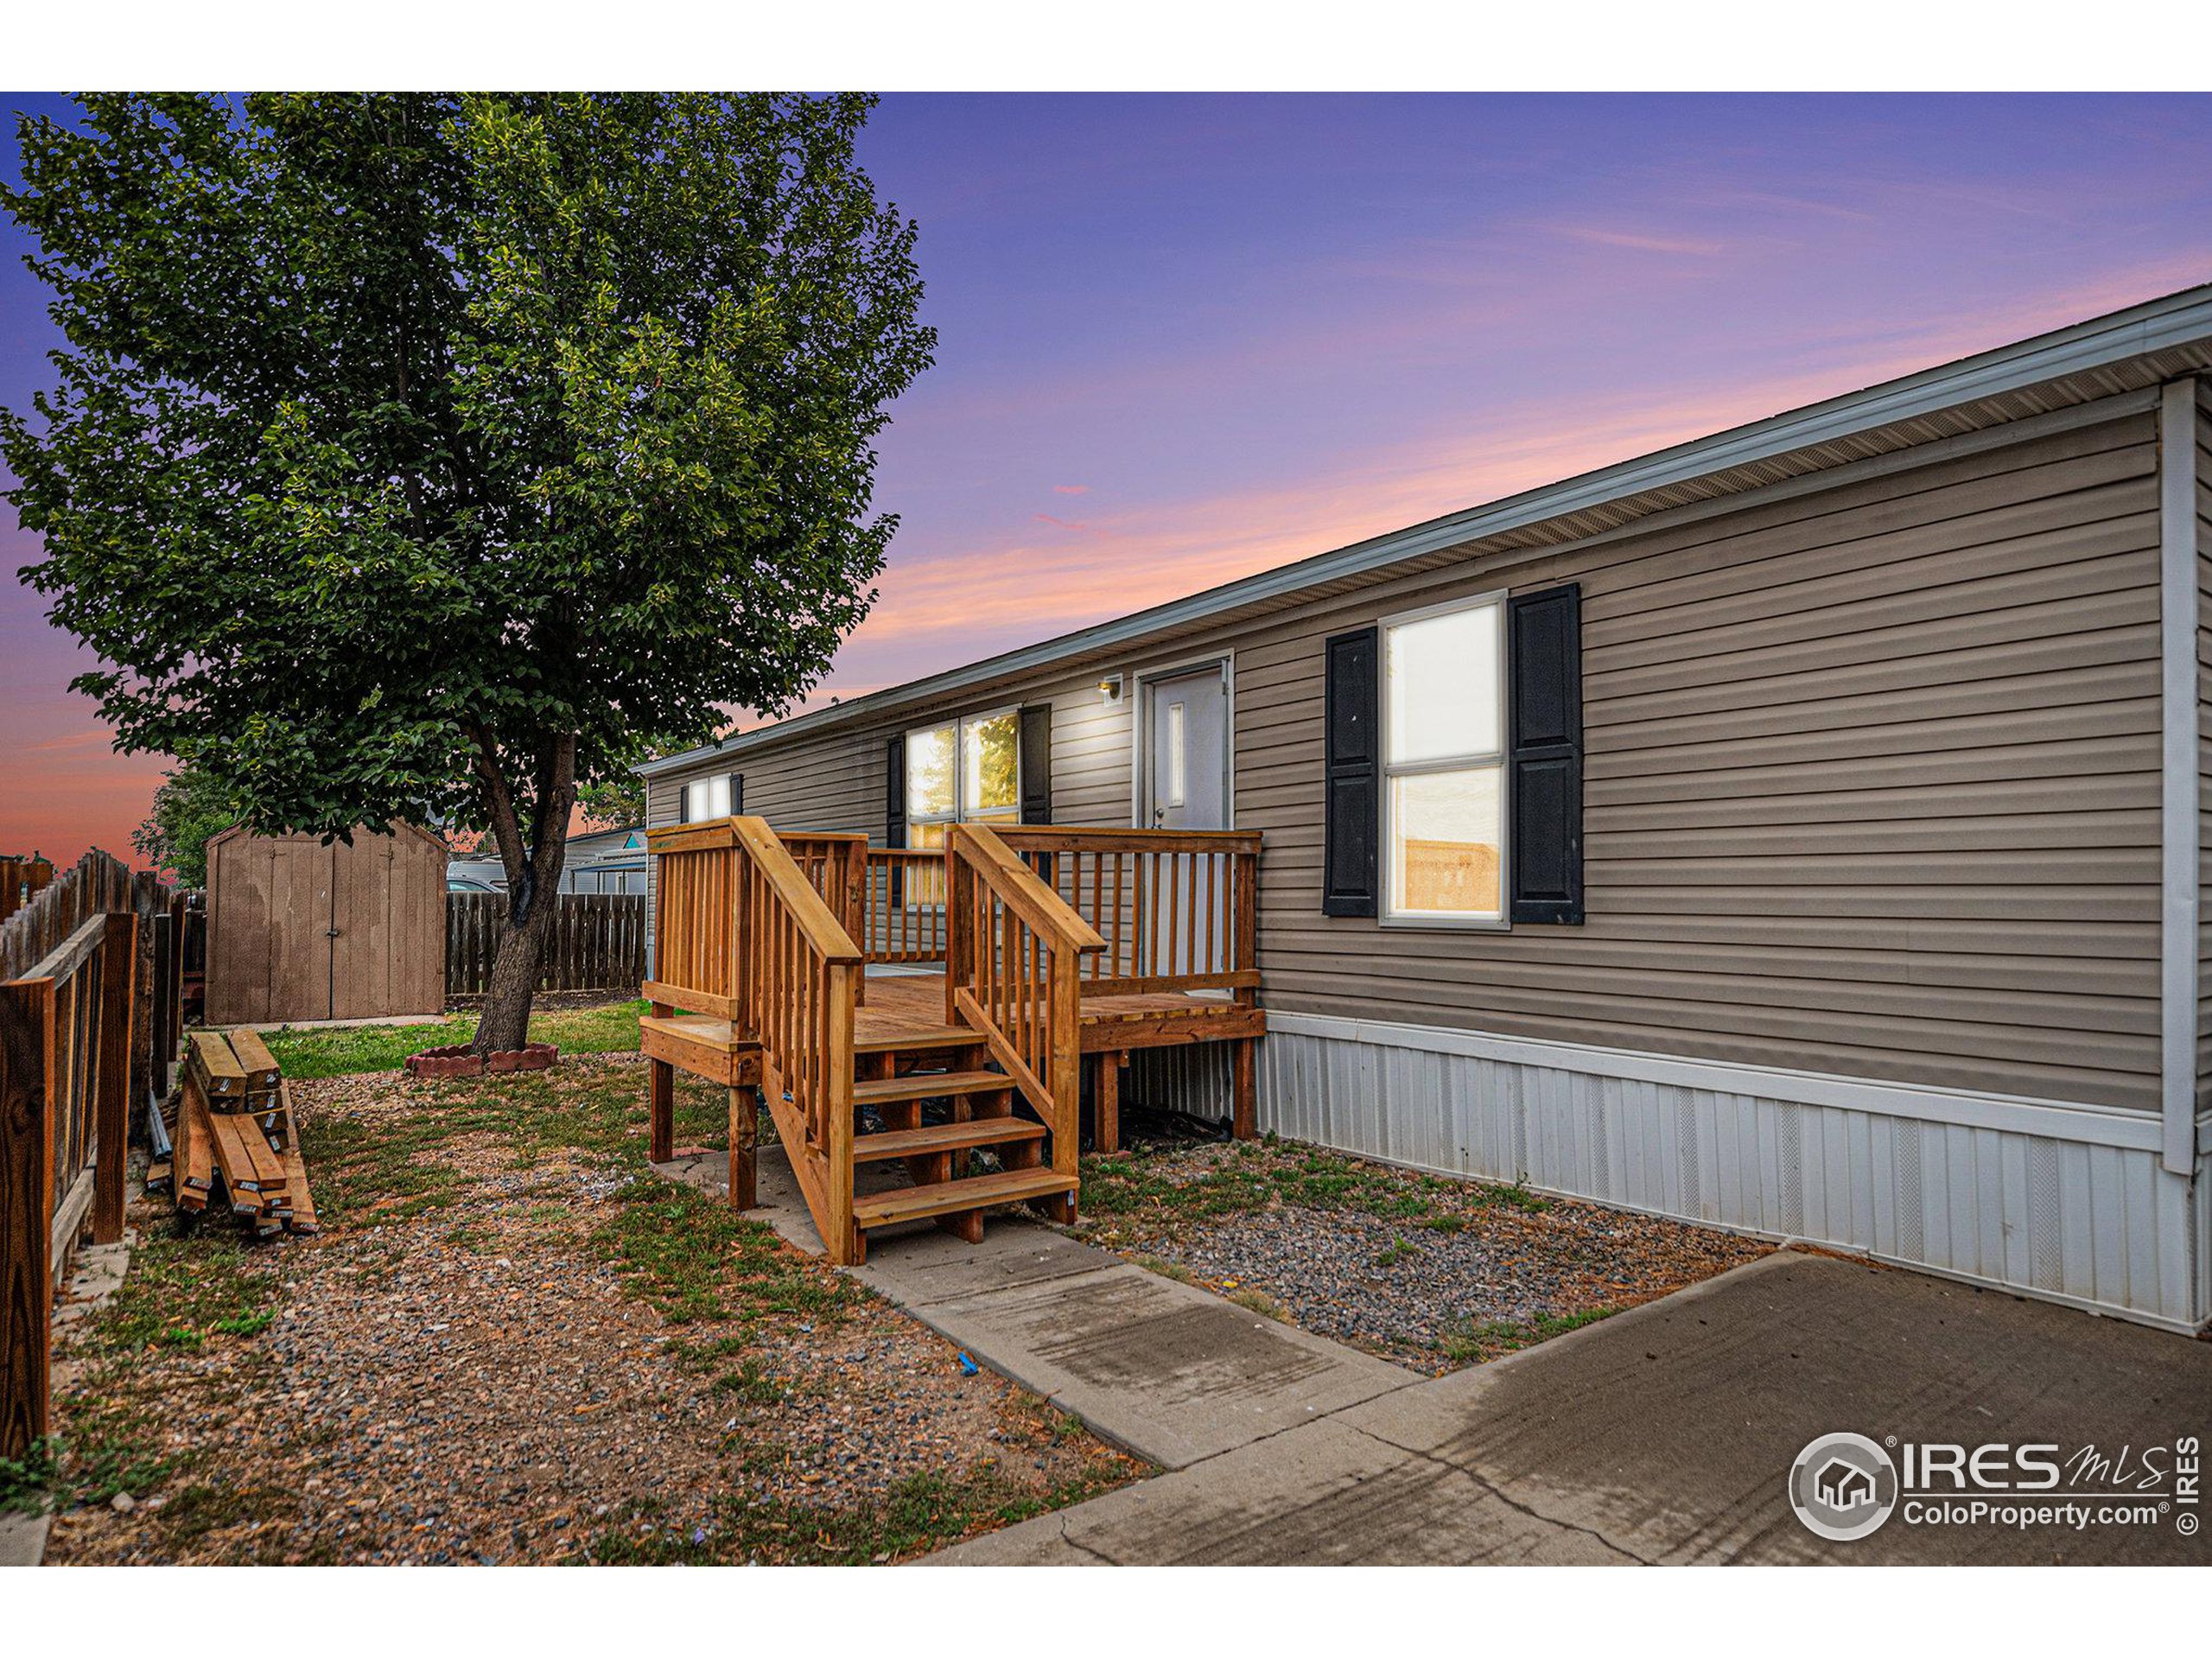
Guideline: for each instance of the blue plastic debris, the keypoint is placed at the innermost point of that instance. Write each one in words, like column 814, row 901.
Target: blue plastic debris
column 967, row 1365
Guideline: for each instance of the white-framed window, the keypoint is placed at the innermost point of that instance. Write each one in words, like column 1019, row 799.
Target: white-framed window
column 703, row 799
column 1443, row 809
column 966, row 770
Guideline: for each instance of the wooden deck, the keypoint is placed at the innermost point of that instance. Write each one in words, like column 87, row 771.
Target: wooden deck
column 934, row 1011
column 902, row 1006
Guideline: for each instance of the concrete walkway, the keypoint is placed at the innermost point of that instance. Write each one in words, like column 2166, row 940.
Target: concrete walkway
column 1170, row 1372
column 1664, row 1435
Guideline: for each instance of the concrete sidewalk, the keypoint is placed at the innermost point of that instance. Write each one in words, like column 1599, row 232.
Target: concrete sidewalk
column 1663, row 1435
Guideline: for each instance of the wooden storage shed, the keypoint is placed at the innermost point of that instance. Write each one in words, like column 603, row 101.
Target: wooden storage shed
column 302, row 929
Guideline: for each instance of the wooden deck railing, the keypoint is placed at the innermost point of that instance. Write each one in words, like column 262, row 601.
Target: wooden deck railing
column 1176, row 908
column 695, row 930
column 1014, row 959
column 904, row 909
column 798, row 980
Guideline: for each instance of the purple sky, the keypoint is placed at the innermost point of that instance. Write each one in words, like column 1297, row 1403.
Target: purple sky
column 1183, row 338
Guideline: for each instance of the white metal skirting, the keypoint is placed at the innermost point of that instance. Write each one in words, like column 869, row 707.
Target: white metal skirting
column 1990, row 1199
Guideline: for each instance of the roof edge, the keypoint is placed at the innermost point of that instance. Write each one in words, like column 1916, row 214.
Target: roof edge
column 2156, row 325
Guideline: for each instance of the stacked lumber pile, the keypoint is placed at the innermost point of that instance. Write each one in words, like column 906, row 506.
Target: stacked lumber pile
column 235, row 1132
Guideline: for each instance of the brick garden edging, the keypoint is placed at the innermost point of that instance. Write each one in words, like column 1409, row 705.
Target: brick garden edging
column 459, row 1060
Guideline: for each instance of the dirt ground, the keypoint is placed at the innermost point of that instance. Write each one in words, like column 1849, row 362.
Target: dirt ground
column 512, row 1343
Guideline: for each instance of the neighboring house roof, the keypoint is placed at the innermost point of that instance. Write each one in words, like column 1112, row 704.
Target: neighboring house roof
column 2127, row 350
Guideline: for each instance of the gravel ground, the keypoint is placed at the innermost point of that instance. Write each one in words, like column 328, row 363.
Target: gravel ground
column 1431, row 1273
column 495, row 1356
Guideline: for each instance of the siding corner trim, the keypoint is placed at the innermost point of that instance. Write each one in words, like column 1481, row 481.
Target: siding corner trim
column 2178, row 821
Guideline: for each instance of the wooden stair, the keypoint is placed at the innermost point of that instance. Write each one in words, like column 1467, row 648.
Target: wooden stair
column 895, row 1077
column 945, row 1137
column 936, row 1200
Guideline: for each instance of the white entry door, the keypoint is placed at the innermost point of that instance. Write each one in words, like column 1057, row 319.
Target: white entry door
column 1186, row 750
column 1187, row 787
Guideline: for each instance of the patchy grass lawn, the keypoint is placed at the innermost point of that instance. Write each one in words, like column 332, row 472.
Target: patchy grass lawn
column 1431, row 1272
column 609, row 1028
column 514, row 1343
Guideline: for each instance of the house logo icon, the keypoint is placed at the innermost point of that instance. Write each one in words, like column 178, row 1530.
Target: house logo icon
column 1843, row 1487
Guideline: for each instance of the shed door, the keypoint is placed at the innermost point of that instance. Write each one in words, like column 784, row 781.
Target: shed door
column 299, row 931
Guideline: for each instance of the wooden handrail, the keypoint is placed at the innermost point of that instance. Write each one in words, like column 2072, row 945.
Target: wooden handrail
column 1019, row 887
column 826, row 933
column 1014, row 951
column 798, row 978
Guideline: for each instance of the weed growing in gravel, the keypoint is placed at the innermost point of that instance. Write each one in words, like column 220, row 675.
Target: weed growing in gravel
column 1181, row 1185
column 1500, row 1337
column 920, row 1514
column 1397, row 1250
column 693, row 1259
column 26, row 1481
column 1258, row 1301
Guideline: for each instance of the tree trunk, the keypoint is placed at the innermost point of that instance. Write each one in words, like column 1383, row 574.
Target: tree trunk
column 515, row 968
column 533, row 884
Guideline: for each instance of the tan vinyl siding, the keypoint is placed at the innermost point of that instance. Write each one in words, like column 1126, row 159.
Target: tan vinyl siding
column 1871, row 789
column 1871, row 780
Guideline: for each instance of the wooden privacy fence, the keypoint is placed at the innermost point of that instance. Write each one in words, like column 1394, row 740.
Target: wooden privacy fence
column 88, row 994
column 21, row 880
column 598, row 942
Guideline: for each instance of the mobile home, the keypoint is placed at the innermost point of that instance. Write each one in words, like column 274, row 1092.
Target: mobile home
column 1798, row 829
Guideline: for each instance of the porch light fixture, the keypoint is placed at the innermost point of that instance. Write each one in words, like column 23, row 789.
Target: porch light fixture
column 1109, row 689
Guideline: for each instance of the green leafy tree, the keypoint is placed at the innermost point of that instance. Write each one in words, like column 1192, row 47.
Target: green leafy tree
column 416, row 455
column 614, row 802
column 191, row 808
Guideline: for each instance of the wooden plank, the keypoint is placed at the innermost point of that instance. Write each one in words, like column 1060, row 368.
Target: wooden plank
column 944, row 1137
column 26, row 1289
column 930, row 1086
column 301, row 1218
column 222, row 1079
column 112, row 1108
column 193, row 1174
column 943, row 1198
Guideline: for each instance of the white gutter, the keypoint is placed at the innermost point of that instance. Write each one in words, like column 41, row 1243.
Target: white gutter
column 2158, row 325
column 2178, row 832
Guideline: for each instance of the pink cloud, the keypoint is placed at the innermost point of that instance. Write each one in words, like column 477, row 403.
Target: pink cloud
column 1636, row 241
column 1082, row 525
column 1071, row 489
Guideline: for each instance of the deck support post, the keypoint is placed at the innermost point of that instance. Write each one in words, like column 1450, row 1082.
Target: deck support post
column 1244, row 1115
column 1106, row 1102
column 744, row 1147
column 660, row 1100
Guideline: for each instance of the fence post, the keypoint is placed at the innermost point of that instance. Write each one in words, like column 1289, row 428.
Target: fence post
column 25, row 1164
column 111, row 1106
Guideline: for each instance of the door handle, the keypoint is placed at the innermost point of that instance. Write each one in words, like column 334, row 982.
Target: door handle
column 1159, row 816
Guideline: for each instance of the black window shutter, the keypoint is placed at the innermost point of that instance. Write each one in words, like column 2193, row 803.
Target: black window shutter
column 1352, row 801
column 737, row 794
column 894, row 812
column 1545, row 637
column 1037, row 764
column 894, row 800
column 684, row 803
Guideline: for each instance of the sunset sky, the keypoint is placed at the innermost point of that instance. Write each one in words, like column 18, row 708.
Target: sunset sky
column 1185, row 339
